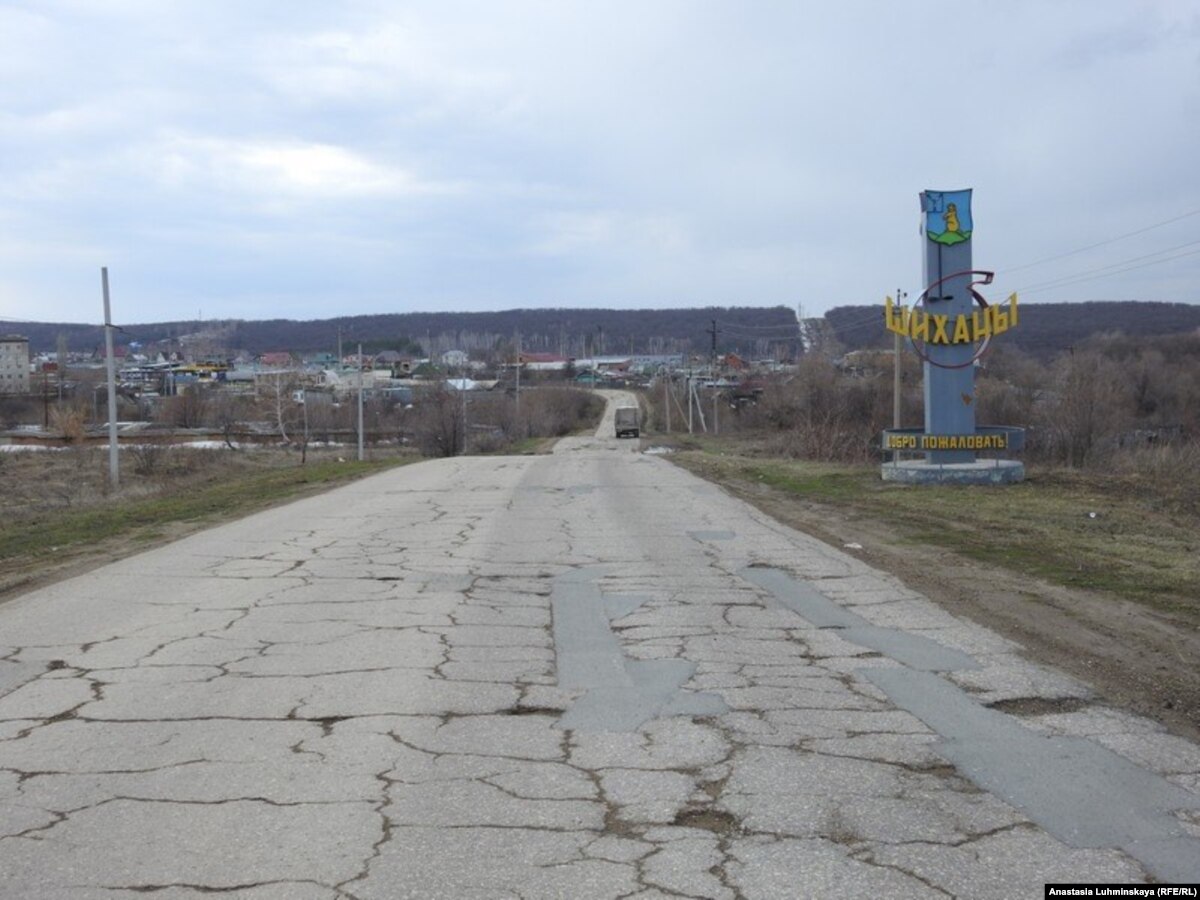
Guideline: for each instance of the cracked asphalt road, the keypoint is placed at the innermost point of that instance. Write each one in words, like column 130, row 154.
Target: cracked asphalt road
column 584, row 675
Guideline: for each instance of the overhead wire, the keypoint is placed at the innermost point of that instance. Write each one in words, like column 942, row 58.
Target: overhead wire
column 875, row 316
column 745, row 327
column 1116, row 265
column 1104, row 243
column 1082, row 277
column 734, row 332
column 781, row 331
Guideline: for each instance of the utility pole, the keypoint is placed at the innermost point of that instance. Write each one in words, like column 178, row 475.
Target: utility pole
column 361, row 453
column 699, row 408
column 114, row 469
column 667, row 396
column 713, row 333
column 304, row 410
column 689, row 396
column 898, row 347
column 518, row 377
column 339, row 339
column 463, row 385
column 62, row 364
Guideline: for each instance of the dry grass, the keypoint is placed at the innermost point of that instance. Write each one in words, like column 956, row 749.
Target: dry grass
column 1135, row 534
column 57, row 510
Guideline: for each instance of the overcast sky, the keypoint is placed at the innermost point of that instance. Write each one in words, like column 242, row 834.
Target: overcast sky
column 234, row 158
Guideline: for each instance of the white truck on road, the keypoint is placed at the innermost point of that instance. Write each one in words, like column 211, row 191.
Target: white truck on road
column 626, row 420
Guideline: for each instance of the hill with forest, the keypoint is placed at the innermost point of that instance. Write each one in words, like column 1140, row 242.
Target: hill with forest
column 1045, row 328
column 754, row 331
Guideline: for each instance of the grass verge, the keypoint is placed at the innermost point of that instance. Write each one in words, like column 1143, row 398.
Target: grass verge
column 1080, row 530
column 51, row 539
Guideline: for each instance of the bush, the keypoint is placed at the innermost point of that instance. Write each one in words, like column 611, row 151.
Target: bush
column 435, row 424
column 149, row 455
column 555, row 412
column 819, row 413
column 69, row 421
column 187, row 409
column 1090, row 404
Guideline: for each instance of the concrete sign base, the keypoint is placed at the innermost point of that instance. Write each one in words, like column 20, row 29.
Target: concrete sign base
column 982, row 471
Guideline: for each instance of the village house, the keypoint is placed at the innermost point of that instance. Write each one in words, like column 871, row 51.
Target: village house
column 276, row 359
column 543, row 362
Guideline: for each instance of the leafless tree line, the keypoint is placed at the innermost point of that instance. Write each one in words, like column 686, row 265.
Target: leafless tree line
column 444, row 423
column 1110, row 402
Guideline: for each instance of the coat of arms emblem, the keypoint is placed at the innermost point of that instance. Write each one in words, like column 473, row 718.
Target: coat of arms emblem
column 947, row 216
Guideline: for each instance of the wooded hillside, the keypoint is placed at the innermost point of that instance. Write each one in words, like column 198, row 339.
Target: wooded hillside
column 756, row 331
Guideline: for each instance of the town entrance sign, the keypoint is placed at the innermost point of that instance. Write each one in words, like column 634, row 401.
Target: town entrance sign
column 950, row 326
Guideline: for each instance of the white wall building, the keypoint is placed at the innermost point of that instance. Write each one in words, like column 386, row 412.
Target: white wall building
column 14, row 364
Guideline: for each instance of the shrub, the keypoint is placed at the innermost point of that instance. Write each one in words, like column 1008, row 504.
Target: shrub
column 69, row 421
column 149, row 455
column 435, row 424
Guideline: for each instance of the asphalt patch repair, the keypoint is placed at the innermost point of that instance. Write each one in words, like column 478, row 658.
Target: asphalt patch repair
column 1134, row 658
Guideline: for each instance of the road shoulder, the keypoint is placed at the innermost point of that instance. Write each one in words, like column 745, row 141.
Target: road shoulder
column 1136, row 659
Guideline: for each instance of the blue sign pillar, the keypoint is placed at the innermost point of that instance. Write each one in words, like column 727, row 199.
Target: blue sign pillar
column 949, row 367
column 950, row 326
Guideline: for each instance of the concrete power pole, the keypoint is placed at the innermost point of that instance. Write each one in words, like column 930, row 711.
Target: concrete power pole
column 62, row 364
column 690, row 398
column 361, row 452
column 114, row 466
column 713, row 332
column 667, row 396
column 898, row 348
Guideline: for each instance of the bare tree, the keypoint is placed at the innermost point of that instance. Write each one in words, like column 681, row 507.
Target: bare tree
column 228, row 412
column 276, row 390
column 187, row 409
column 438, row 423
column 1091, row 403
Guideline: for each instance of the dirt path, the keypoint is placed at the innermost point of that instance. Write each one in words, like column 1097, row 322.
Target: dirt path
column 1135, row 659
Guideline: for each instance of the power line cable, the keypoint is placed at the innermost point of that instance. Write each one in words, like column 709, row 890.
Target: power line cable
column 876, row 316
column 1104, row 243
column 758, row 334
column 1119, row 265
column 744, row 327
column 1066, row 283
column 1116, row 265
